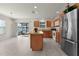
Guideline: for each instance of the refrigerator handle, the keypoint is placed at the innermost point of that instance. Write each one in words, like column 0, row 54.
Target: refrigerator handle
column 71, row 42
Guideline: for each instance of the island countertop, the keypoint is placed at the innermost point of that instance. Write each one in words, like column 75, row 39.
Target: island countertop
column 49, row 29
column 39, row 32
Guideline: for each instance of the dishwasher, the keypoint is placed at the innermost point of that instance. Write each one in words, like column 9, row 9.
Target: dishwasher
column 53, row 33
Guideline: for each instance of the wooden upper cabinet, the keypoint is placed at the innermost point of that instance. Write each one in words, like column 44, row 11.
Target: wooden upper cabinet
column 57, row 22
column 48, row 23
column 36, row 23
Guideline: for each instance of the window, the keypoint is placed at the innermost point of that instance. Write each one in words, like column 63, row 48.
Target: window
column 23, row 28
column 2, row 26
column 42, row 24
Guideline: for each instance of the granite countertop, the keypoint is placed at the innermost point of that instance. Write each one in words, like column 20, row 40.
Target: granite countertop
column 33, row 32
column 46, row 29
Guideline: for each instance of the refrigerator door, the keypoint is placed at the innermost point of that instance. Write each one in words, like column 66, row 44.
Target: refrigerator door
column 64, row 26
column 69, row 32
column 74, row 24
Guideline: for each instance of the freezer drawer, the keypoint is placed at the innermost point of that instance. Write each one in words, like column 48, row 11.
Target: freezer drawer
column 69, row 47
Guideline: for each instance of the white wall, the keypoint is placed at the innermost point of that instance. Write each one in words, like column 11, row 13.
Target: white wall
column 13, row 28
column 10, row 27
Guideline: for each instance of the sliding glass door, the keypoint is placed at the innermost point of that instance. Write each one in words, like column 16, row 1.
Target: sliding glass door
column 22, row 28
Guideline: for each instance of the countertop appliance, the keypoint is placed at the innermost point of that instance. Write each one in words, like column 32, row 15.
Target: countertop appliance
column 70, row 25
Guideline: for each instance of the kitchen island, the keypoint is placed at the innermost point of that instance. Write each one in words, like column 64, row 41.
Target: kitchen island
column 36, row 40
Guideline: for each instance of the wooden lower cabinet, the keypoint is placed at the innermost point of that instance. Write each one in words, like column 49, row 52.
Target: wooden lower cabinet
column 58, row 37
column 47, row 34
column 36, row 42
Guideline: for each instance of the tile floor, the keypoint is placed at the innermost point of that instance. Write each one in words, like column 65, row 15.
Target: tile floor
column 20, row 46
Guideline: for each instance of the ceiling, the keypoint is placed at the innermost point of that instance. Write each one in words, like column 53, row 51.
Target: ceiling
column 27, row 10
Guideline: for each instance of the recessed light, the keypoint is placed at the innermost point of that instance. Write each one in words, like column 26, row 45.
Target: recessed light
column 35, row 7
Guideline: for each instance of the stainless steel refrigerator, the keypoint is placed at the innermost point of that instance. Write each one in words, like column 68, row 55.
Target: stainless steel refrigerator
column 70, row 33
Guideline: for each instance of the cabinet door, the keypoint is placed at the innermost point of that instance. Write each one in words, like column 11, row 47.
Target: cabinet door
column 36, row 42
column 47, row 34
column 57, row 22
column 48, row 22
column 36, row 23
column 58, row 37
